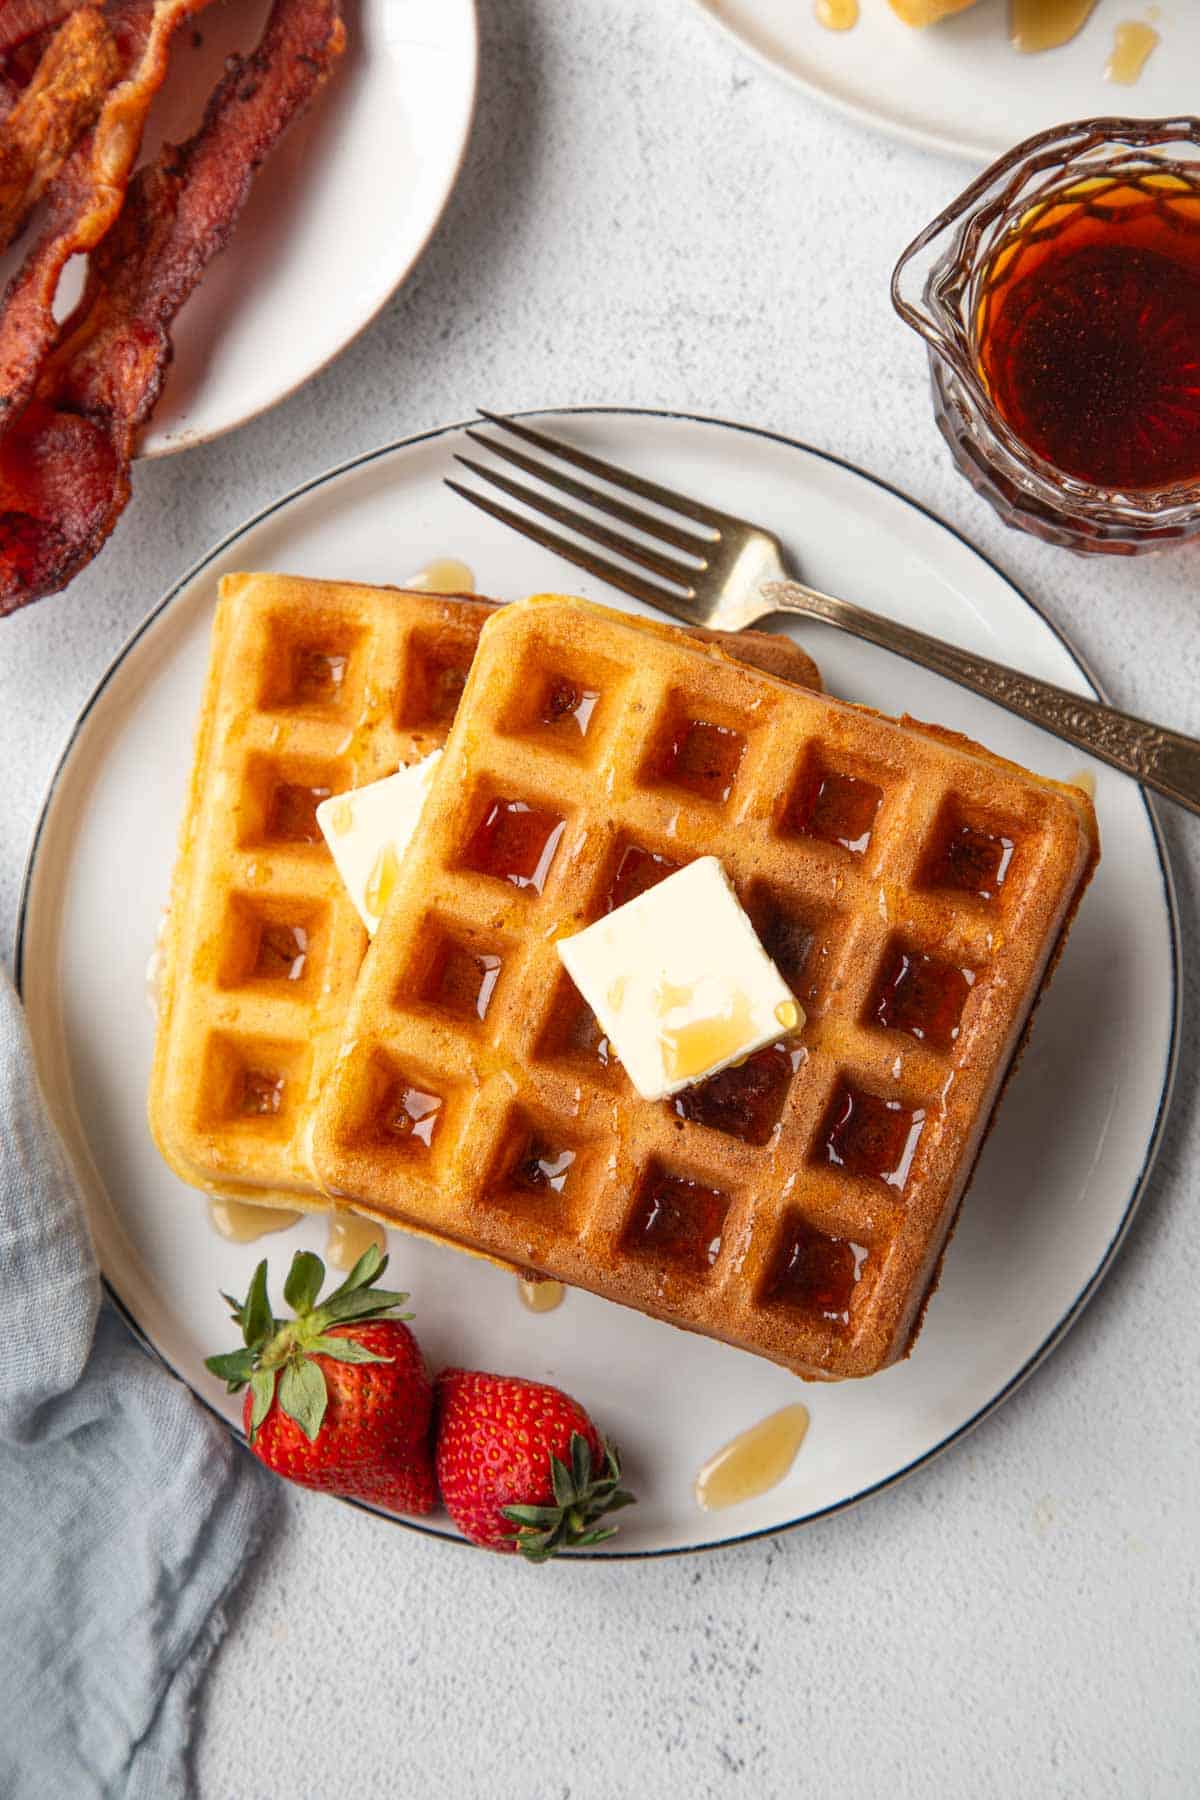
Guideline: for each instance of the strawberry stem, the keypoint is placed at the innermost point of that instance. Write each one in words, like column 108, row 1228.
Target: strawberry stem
column 583, row 1493
column 285, row 1348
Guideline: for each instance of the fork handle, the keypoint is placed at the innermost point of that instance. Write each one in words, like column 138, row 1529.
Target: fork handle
column 1161, row 759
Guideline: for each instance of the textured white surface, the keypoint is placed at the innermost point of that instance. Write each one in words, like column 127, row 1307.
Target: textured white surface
column 645, row 218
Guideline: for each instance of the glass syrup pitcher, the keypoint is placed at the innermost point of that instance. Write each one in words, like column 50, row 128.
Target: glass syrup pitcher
column 1059, row 297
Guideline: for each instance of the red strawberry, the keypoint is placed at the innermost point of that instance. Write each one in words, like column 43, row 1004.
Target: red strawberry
column 521, row 1466
column 338, row 1397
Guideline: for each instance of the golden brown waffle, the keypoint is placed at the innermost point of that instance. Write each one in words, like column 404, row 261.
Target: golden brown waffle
column 911, row 887
column 314, row 687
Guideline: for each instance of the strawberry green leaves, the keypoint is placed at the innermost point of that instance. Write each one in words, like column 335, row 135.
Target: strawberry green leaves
column 582, row 1495
column 277, row 1360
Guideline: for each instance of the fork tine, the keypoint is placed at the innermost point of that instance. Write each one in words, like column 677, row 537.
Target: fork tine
column 666, row 566
column 599, row 566
column 687, row 541
column 594, row 465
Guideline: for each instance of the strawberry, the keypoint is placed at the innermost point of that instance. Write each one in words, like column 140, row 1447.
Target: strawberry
column 520, row 1465
column 337, row 1398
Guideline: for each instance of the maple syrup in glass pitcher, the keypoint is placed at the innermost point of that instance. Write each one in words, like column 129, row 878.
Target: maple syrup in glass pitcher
column 1060, row 300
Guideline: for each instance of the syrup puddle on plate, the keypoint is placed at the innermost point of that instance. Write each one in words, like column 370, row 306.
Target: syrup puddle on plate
column 351, row 1236
column 753, row 1462
column 1083, row 778
column 1035, row 25
column 444, row 575
column 541, row 1296
column 1133, row 45
column 836, row 15
column 242, row 1223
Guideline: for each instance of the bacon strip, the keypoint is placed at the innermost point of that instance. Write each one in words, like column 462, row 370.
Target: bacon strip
column 21, row 19
column 64, row 463
column 62, row 100
column 87, row 196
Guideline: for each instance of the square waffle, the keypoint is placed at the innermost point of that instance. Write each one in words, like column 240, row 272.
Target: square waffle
column 912, row 889
column 314, row 688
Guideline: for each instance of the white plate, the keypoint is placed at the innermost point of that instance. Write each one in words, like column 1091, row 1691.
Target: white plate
column 959, row 85
column 1061, row 1173
column 337, row 216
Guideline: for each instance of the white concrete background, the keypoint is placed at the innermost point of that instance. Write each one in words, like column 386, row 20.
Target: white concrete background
column 645, row 217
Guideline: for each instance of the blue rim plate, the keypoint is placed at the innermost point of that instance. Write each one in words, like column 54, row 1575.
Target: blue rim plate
column 1065, row 1165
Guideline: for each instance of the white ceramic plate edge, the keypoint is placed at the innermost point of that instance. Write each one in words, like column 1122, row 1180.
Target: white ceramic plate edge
column 1073, row 1311
column 192, row 439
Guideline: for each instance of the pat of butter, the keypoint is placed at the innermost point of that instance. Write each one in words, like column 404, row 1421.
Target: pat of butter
column 368, row 831
column 679, row 982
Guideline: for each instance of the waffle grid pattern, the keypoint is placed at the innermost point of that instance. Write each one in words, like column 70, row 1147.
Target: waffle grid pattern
column 911, row 888
column 314, row 688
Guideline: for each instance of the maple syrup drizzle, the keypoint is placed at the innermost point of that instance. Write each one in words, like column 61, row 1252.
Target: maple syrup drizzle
column 318, row 675
column 746, row 1101
column 872, row 1137
column 350, row 1236
column 411, row 1113
column 923, row 997
column 836, row 15
column 515, row 843
column 540, row 1296
column 568, row 707
column 689, row 1049
column 444, row 575
column 1134, row 42
column 381, row 884
column 638, row 871
column 292, row 817
column 241, row 1223
column 463, row 981
column 755, row 1461
column 838, row 809
column 816, row 1273
column 702, row 758
column 282, row 953
column 1087, row 327
column 542, row 1169
column 679, row 1219
column 1036, row 25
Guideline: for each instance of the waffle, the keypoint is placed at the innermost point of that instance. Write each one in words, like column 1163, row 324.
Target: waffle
column 912, row 889
column 314, row 687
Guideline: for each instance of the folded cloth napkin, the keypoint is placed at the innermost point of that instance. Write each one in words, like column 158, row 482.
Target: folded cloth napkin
column 128, row 1513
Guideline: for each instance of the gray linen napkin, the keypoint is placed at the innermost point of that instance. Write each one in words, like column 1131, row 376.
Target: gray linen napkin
column 127, row 1514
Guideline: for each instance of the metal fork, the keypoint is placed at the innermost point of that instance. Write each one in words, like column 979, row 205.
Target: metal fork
column 726, row 572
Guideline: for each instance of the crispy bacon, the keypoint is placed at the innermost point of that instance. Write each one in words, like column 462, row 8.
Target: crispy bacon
column 63, row 98
column 22, row 19
column 64, row 463
column 87, row 195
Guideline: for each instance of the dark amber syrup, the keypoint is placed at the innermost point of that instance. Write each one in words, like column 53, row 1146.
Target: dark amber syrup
column 744, row 1102
column 410, row 1113
column 1088, row 333
column 292, row 818
column 515, row 843
column 922, row 996
column 838, row 809
column 282, row 953
column 679, row 1219
column 463, row 981
column 866, row 1135
column 816, row 1274
column 637, row 870
column 702, row 758
column 541, row 1169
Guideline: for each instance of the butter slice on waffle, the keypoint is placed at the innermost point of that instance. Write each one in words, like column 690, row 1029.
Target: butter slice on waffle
column 912, row 888
column 314, row 688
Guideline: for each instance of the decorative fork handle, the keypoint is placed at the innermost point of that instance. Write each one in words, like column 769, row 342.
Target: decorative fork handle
column 1164, row 760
